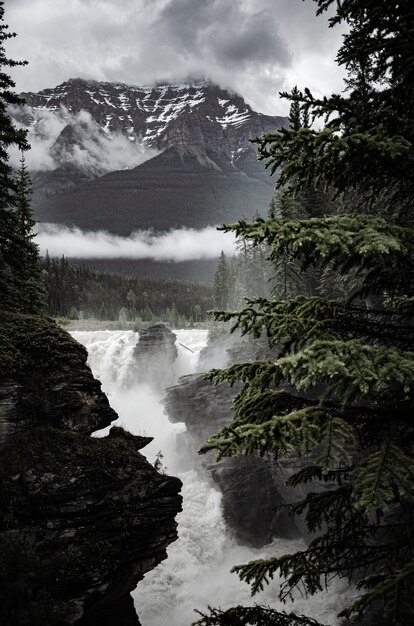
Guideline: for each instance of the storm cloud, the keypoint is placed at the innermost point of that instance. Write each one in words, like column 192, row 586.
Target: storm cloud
column 253, row 47
column 182, row 244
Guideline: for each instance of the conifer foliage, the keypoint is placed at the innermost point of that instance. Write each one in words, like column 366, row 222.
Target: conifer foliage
column 253, row 616
column 222, row 283
column 20, row 278
column 83, row 292
column 340, row 388
column 28, row 274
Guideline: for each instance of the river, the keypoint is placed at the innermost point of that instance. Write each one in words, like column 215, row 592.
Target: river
column 197, row 571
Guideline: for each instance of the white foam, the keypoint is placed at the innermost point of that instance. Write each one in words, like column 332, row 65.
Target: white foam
column 197, row 571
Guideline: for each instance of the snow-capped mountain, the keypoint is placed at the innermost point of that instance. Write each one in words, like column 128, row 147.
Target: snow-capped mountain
column 123, row 158
column 157, row 117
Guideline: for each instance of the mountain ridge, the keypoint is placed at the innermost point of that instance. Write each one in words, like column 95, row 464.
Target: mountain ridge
column 148, row 112
column 125, row 158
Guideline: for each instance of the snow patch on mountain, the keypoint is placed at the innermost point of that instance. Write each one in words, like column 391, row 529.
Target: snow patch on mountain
column 102, row 127
column 233, row 116
column 151, row 108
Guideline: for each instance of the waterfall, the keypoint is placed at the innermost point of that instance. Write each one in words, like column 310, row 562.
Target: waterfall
column 197, row 571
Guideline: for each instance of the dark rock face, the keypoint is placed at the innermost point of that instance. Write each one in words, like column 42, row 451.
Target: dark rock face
column 52, row 386
column 154, row 356
column 71, row 399
column 252, row 488
column 102, row 516
column 203, row 406
column 252, row 500
column 121, row 613
column 81, row 519
column 163, row 115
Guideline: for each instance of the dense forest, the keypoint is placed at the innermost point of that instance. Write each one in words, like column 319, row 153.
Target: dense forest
column 81, row 292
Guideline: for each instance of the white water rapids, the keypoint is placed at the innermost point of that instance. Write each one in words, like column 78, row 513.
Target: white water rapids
column 197, row 571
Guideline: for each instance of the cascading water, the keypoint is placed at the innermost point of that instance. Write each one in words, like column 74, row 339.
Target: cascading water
column 196, row 573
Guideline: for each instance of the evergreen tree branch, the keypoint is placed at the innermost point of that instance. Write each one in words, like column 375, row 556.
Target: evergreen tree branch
column 253, row 616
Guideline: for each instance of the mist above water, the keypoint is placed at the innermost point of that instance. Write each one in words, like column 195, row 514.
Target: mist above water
column 197, row 571
column 137, row 403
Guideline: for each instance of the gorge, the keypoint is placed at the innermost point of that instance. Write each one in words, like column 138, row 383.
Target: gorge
column 92, row 516
column 197, row 571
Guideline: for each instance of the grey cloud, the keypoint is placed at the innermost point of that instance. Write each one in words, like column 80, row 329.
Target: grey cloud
column 182, row 20
column 224, row 31
column 254, row 47
column 93, row 149
column 256, row 42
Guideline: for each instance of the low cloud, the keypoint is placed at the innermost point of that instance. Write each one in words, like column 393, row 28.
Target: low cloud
column 183, row 244
column 42, row 134
column 60, row 138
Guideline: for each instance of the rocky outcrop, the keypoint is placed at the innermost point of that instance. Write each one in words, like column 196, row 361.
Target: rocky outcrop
column 45, row 380
column 99, row 513
column 255, row 490
column 154, row 356
column 252, row 488
column 204, row 407
column 81, row 519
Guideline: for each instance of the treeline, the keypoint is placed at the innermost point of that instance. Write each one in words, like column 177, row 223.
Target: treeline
column 248, row 274
column 82, row 292
column 255, row 273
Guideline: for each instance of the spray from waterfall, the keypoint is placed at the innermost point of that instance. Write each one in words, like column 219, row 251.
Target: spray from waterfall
column 197, row 571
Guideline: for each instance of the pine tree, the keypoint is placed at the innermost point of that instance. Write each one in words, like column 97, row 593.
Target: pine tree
column 340, row 389
column 132, row 301
column 298, row 116
column 196, row 312
column 28, row 276
column 221, row 283
column 16, row 246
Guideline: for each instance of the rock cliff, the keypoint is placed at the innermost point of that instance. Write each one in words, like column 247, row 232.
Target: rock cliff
column 253, row 495
column 45, row 380
column 154, row 356
column 81, row 519
column 160, row 116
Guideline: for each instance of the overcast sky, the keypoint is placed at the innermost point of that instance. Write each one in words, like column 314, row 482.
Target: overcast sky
column 254, row 47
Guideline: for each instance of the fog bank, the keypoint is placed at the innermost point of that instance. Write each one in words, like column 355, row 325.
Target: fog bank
column 182, row 244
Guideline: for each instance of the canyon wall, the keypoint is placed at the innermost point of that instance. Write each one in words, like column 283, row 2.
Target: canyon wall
column 82, row 519
column 255, row 496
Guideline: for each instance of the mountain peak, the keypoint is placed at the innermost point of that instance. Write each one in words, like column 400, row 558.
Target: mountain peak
column 200, row 117
column 123, row 158
column 148, row 112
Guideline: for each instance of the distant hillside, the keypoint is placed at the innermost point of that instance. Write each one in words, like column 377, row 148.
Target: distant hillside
column 80, row 291
column 169, row 191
